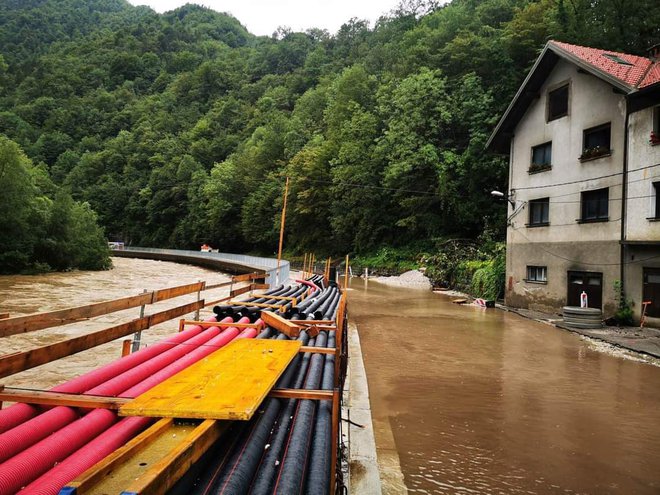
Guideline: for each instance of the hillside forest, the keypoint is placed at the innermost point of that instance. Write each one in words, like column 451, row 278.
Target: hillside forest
column 177, row 129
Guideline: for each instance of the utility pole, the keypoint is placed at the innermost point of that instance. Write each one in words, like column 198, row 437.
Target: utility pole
column 279, row 251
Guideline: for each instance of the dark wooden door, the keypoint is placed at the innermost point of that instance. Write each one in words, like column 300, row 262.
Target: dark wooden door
column 651, row 291
column 589, row 282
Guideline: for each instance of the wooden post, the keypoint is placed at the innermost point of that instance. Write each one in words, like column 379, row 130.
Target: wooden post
column 279, row 250
column 199, row 292
column 346, row 275
column 125, row 347
column 304, row 269
column 138, row 334
column 182, row 324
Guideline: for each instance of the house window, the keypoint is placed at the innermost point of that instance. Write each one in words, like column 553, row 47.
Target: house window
column 541, row 157
column 655, row 214
column 596, row 142
column 558, row 103
column 615, row 58
column 595, row 205
column 537, row 274
column 655, row 131
column 539, row 212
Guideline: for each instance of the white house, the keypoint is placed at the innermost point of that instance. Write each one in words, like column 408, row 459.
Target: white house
column 583, row 138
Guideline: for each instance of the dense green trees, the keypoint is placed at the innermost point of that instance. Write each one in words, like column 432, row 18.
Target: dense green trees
column 181, row 128
column 42, row 227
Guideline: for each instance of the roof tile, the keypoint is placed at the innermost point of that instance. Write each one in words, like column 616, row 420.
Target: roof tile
column 638, row 72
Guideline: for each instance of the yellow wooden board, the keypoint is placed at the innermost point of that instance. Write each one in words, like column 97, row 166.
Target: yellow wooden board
column 227, row 384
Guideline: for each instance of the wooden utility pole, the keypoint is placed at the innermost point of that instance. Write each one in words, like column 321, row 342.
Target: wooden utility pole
column 279, row 251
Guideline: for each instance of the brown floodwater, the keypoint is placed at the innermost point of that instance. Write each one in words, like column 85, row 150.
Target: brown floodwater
column 481, row 401
column 24, row 294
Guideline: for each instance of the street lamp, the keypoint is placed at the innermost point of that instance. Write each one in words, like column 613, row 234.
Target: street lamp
column 499, row 194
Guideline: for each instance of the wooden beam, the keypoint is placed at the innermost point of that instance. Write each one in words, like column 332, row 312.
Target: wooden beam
column 318, row 350
column 95, row 474
column 247, row 277
column 240, row 290
column 39, row 321
column 165, row 473
column 169, row 293
column 217, row 286
column 313, row 322
column 335, row 440
column 296, row 393
column 280, row 324
column 169, row 314
column 209, row 324
column 44, row 397
column 222, row 299
column 260, row 286
column 4, row 315
column 21, row 361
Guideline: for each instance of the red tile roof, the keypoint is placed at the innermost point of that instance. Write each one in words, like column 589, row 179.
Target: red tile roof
column 638, row 72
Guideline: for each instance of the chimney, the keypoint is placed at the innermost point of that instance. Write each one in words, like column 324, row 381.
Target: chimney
column 654, row 52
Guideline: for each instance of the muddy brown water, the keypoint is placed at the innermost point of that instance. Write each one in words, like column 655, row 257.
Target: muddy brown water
column 480, row 401
column 24, row 294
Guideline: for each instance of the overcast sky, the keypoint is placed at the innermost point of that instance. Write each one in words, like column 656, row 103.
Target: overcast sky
column 263, row 17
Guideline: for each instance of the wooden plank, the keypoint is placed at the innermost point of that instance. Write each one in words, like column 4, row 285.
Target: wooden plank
column 11, row 394
column 319, row 350
column 228, row 384
column 169, row 293
column 260, row 286
column 21, row 361
column 111, row 464
column 298, row 393
column 217, row 286
column 240, row 290
column 165, row 473
column 247, row 277
column 169, row 314
column 314, row 322
column 209, row 324
column 4, row 315
column 272, row 320
column 39, row 321
column 335, row 440
column 222, row 299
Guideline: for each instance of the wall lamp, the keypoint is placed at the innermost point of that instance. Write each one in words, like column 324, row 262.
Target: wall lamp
column 499, row 194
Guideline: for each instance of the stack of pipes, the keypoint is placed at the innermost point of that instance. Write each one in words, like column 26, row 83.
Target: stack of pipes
column 285, row 448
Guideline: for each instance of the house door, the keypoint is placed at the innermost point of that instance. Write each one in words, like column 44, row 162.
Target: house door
column 589, row 282
column 651, row 291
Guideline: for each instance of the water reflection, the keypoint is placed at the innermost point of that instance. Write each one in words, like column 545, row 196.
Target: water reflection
column 484, row 401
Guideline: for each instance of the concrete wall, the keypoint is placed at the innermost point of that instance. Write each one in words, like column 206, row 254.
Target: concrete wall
column 565, row 244
column 641, row 195
column 637, row 258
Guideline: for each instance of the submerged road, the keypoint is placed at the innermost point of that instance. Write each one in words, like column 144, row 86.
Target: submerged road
column 477, row 401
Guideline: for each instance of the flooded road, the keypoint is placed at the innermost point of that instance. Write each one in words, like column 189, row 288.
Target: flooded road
column 479, row 401
column 24, row 294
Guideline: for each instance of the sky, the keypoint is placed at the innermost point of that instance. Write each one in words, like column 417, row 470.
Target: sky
column 263, row 17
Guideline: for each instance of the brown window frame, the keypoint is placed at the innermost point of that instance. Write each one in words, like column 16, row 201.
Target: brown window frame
column 553, row 92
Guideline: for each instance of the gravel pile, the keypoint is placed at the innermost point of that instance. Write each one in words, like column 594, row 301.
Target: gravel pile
column 414, row 279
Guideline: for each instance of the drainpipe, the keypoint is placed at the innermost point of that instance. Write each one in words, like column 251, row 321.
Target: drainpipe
column 624, row 197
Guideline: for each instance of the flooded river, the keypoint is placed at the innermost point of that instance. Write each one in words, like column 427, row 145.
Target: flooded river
column 24, row 294
column 479, row 401
column 469, row 401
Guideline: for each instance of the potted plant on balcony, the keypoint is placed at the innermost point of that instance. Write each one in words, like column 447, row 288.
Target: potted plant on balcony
column 655, row 138
column 594, row 152
column 539, row 167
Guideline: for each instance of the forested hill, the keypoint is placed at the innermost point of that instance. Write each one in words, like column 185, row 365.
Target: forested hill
column 180, row 128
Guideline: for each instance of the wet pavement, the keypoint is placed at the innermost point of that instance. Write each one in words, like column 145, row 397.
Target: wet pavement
column 483, row 401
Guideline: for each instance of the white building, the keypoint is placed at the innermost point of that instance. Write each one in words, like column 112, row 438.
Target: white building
column 583, row 137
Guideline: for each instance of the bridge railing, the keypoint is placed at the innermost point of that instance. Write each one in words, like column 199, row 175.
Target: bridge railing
column 268, row 265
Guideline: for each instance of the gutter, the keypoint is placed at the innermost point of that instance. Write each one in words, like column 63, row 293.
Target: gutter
column 624, row 196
